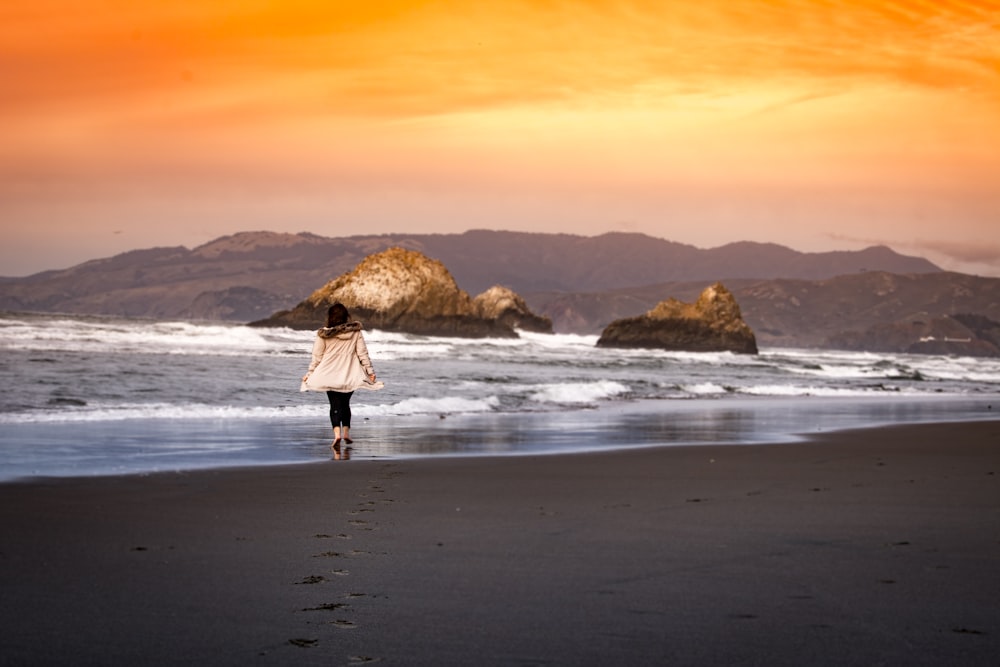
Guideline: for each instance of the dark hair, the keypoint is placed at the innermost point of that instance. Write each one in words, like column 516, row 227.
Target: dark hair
column 337, row 314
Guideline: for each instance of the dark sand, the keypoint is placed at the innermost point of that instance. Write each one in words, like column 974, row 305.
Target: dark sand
column 878, row 547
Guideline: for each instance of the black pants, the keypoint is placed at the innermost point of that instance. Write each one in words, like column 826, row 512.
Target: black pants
column 340, row 408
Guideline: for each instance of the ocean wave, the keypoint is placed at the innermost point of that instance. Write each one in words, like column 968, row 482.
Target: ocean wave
column 73, row 364
column 573, row 393
column 140, row 411
column 169, row 338
column 712, row 389
column 397, row 346
column 704, row 389
column 821, row 391
column 81, row 412
column 445, row 405
column 845, row 365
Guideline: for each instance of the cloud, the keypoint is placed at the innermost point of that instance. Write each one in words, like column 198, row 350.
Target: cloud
column 963, row 252
column 975, row 252
column 441, row 57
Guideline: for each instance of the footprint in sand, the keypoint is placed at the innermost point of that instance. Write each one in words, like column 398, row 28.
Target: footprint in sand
column 342, row 623
column 329, row 606
column 303, row 643
column 314, row 579
column 358, row 552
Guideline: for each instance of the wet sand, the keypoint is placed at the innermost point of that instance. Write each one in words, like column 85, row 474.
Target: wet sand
column 863, row 548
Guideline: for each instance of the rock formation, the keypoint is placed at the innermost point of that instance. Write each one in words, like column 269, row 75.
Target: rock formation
column 504, row 305
column 403, row 290
column 712, row 324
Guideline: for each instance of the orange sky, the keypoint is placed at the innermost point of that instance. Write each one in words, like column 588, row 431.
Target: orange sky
column 819, row 125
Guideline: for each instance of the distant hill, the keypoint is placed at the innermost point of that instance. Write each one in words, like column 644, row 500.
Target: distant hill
column 250, row 275
column 867, row 299
column 528, row 262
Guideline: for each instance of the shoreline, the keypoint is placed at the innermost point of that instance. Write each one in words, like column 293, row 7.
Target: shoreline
column 876, row 546
column 94, row 449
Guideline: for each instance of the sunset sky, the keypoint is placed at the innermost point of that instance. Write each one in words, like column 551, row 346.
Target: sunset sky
column 819, row 125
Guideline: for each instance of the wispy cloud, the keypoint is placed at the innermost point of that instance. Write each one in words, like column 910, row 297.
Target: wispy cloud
column 977, row 252
column 964, row 252
column 422, row 57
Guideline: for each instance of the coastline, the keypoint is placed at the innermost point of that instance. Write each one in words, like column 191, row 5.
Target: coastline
column 876, row 546
column 148, row 446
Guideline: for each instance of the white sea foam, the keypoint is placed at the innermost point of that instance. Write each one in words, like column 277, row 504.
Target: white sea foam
column 558, row 341
column 430, row 406
column 142, row 411
column 188, row 411
column 572, row 393
column 796, row 390
column 704, row 389
column 146, row 337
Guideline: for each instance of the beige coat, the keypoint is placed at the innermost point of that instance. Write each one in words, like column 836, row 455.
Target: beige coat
column 340, row 361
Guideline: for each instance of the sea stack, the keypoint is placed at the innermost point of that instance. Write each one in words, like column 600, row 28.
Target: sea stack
column 507, row 307
column 712, row 324
column 398, row 290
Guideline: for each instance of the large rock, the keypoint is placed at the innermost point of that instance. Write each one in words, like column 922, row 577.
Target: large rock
column 712, row 324
column 506, row 306
column 400, row 290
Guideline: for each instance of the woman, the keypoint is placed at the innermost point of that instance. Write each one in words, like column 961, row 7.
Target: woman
column 340, row 365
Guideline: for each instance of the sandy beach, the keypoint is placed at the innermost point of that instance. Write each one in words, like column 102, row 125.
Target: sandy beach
column 875, row 547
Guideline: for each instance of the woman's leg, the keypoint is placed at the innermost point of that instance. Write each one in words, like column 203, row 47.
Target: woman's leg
column 340, row 412
column 336, row 414
column 345, row 416
column 344, row 409
column 334, row 418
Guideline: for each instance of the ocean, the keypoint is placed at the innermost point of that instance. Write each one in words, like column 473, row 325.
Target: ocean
column 102, row 395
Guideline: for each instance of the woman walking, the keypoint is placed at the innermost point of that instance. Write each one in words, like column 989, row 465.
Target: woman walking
column 339, row 366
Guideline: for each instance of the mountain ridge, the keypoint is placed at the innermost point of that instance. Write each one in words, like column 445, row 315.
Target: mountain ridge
column 581, row 283
column 621, row 259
